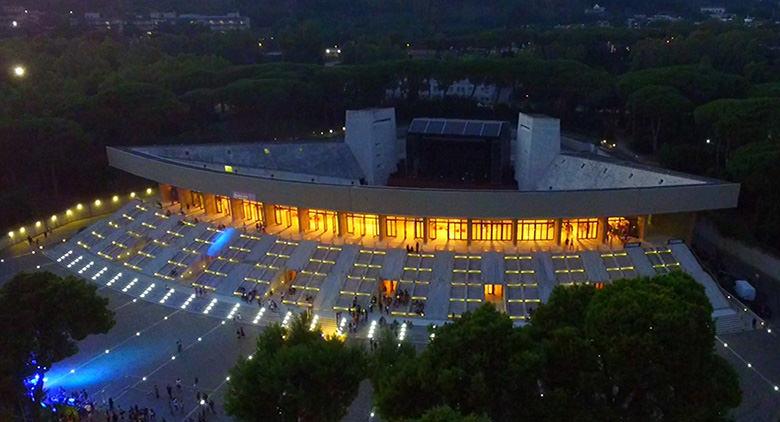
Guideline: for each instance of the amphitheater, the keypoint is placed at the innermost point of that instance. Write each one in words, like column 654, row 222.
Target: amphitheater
column 433, row 222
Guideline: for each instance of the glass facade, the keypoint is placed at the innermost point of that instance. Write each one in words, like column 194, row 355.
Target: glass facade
column 448, row 229
column 323, row 221
column 491, row 229
column 529, row 230
column 362, row 224
column 580, row 228
column 404, row 227
column 285, row 216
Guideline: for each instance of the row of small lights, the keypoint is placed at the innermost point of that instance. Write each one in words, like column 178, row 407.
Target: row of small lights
column 130, row 285
column 187, row 302
column 209, row 306
column 86, row 267
column 314, row 322
column 69, row 212
column 147, row 290
column 775, row 387
column 99, row 273
column 259, row 315
column 233, row 310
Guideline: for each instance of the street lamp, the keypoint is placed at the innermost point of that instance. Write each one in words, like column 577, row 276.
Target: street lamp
column 19, row 71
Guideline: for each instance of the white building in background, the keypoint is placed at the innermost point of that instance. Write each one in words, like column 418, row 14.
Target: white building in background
column 484, row 94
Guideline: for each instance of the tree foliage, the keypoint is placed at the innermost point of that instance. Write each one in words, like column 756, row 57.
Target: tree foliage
column 42, row 316
column 295, row 375
column 636, row 350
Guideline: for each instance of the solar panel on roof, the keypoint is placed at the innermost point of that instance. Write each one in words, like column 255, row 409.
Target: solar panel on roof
column 434, row 127
column 418, row 125
column 491, row 129
column 473, row 128
column 454, row 127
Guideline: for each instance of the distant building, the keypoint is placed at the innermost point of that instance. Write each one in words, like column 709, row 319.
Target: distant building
column 484, row 94
column 219, row 23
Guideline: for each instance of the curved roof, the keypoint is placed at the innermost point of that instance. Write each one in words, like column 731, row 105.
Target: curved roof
column 698, row 195
column 291, row 160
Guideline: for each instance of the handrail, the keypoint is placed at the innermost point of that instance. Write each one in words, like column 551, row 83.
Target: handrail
column 730, row 297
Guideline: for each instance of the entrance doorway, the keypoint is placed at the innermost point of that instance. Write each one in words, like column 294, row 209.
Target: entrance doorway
column 322, row 221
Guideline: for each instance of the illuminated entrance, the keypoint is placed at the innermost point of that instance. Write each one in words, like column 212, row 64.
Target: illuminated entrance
column 223, row 204
column 449, row 229
column 494, row 293
column 404, row 228
column 491, row 229
column 622, row 228
column 196, row 199
column 253, row 211
column 363, row 224
column 285, row 216
column 323, row 221
column 536, row 230
column 580, row 228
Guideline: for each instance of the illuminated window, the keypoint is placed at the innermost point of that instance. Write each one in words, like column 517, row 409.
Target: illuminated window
column 284, row 216
column 363, row 224
column 580, row 228
column 228, row 169
column 253, row 211
column 536, row 230
column 404, row 227
column 491, row 229
column 450, row 229
column 323, row 221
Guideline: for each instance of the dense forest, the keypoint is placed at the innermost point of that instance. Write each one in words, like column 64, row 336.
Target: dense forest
column 698, row 98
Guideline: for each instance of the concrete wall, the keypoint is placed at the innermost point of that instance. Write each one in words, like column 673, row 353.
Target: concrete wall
column 435, row 202
column 538, row 144
column 371, row 135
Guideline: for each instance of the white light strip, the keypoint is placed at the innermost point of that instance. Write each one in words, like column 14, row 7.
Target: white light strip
column 148, row 289
column 114, row 279
column 67, row 254
column 130, row 285
column 99, row 273
column 187, row 302
column 167, row 295
column 86, row 267
column 75, row 261
column 209, row 306
column 371, row 329
column 286, row 320
column 402, row 332
column 259, row 315
column 233, row 311
column 342, row 324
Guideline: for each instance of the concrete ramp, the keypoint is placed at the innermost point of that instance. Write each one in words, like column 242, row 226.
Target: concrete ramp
column 691, row 265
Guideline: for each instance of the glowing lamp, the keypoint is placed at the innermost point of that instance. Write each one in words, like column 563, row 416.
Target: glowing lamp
column 11, row 235
column 53, row 218
column 97, row 203
column 68, row 212
column 132, row 194
column 79, row 207
column 148, row 191
column 38, row 223
column 115, row 198
column 22, row 230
